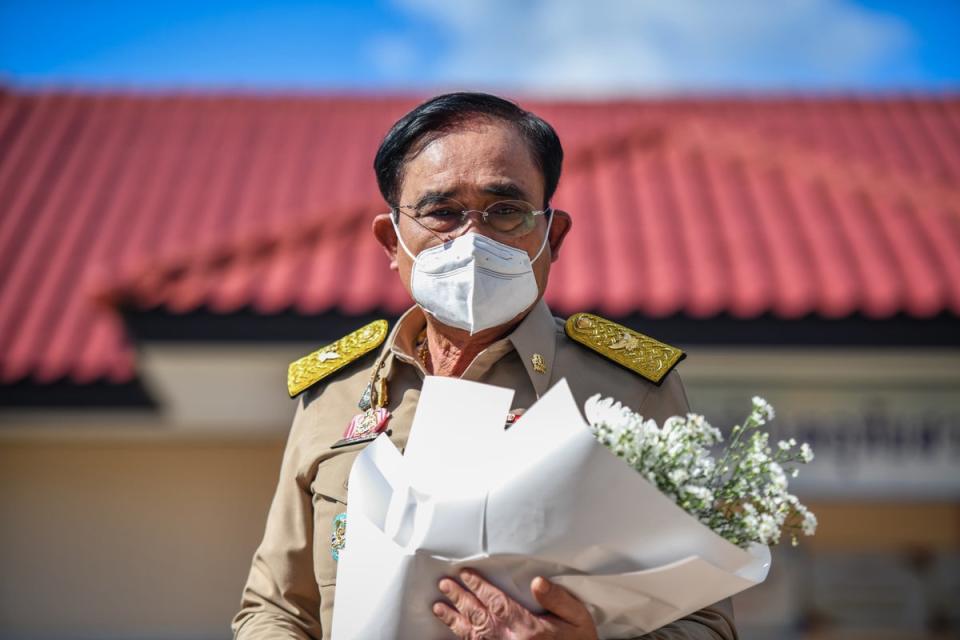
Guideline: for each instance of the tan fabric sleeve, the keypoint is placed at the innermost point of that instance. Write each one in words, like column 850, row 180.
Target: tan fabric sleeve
column 716, row 621
column 669, row 399
column 281, row 598
column 710, row 623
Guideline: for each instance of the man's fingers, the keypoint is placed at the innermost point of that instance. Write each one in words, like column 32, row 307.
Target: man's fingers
column 448, row 616
column 560, row 603
column 469, row 607
column 464, row 601
column 500, row 605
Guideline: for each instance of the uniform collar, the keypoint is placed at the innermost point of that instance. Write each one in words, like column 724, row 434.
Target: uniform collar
column 534, row 339
column 403, row 340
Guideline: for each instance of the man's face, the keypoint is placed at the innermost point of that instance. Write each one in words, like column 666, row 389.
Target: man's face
column 483, row 162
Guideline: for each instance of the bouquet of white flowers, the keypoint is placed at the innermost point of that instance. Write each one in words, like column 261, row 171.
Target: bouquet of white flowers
column 742, row 496
column 546, row 498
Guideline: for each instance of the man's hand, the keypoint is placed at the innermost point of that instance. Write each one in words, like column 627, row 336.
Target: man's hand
column 481, row 611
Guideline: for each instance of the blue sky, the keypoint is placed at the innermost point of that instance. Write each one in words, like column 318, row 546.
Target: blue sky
column 552, row 47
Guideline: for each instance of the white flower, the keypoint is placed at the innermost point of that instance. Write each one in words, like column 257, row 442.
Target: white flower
column 767, row 529
column 809, row 523
column 763, row 408
column 673, row 422
column 743, row 497
column 778, row 478
column 701, row 493
column 786, row 445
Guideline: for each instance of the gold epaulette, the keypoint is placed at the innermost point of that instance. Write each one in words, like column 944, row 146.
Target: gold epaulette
column 641, row 354
column 311, row 369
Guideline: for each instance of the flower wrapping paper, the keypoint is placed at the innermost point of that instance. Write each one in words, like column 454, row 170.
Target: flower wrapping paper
column 541, row 498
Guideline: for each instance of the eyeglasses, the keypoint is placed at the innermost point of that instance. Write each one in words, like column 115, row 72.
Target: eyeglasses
column 511, row 218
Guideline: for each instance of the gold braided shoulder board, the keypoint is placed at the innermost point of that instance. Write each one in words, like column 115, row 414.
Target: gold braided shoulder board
column 641, row 354
column 311, row 369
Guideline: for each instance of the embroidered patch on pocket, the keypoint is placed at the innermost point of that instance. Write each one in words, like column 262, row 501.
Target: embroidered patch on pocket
column 338, row 537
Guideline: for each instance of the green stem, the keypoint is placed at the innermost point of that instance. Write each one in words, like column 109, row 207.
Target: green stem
column 734, row 442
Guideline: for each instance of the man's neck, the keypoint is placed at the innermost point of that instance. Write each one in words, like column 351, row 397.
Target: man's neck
column 452, row 350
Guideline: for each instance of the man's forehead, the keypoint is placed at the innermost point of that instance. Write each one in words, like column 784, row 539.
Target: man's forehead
column 494, row 159
column 485, row 133
column 502, row 188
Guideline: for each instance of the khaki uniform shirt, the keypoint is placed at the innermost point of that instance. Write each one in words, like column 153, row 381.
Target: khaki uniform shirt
column 290, row 589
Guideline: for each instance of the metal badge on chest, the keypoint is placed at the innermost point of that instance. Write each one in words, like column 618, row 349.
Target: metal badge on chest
column 373, row 417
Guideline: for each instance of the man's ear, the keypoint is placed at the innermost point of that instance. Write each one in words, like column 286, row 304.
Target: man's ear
column 386, row 235
column 559, row 228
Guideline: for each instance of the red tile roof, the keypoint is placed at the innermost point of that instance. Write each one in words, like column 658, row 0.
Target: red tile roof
column 791, row 206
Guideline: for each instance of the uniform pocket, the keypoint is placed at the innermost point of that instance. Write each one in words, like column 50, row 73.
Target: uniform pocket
column 329, row 488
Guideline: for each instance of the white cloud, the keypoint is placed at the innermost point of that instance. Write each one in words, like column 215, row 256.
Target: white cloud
column 628, row 46
column 393, row 55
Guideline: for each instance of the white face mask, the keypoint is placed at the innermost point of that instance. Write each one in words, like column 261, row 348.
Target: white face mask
column 473, row 282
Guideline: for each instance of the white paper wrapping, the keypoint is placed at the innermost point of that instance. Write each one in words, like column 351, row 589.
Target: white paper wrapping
column 542, row 498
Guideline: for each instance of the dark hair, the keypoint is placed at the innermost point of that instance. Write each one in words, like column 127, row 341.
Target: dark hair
column 445, row 113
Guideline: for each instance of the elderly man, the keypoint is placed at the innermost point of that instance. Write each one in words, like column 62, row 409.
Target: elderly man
column 471, row 233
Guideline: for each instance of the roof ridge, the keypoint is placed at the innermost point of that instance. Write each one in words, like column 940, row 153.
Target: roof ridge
column 259, row 241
